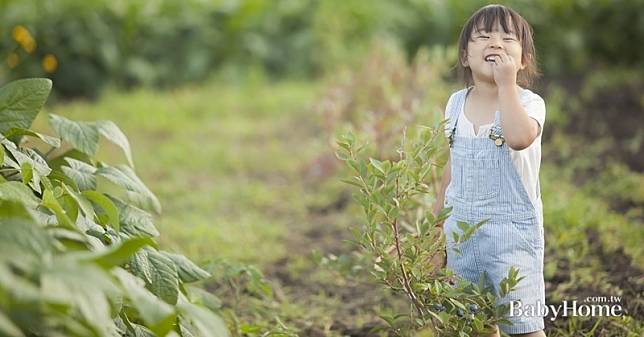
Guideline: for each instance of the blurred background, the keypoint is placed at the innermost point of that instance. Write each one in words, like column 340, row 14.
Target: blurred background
column 232, row 108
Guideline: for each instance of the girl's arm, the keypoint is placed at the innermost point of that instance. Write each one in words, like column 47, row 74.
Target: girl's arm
column 519, row 130
column 440, row 198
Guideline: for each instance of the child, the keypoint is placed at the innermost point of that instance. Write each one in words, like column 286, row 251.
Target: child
column 495, row 127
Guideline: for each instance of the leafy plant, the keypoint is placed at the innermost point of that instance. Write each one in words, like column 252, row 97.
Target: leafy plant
column 78, row 257
column 407, row 247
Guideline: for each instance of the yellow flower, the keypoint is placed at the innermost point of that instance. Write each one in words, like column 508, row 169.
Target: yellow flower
column 29, row 45
column 49, row 63
column 12, row 60
column 20, row 33
column 24, row 38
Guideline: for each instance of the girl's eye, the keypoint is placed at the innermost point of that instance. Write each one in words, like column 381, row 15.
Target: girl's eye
column 482, row 37
column 509, row 39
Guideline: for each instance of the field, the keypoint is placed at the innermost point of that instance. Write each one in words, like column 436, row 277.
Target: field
column 255, row 182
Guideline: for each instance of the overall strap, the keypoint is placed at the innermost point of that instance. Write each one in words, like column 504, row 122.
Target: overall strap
column 496, row 132
column 496, row 126
column 454, row 112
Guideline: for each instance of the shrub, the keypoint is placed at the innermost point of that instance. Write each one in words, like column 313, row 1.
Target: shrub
column 393, row 195
column 77, row 249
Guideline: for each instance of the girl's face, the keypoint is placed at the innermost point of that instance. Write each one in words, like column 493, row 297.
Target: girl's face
column 484, row 44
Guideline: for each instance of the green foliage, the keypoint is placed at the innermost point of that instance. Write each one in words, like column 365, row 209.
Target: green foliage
column 251, row 296
column 76, row 260
column 402, row 238
column 83, row 45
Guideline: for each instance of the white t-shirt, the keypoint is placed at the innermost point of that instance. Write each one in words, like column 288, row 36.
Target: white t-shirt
column 526, row 161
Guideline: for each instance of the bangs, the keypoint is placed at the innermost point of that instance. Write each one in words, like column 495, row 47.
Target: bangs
column 487, row 18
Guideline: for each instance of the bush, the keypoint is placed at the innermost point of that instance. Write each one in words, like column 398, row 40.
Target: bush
column 84, row 45
column 407, row 248
column 77, row 254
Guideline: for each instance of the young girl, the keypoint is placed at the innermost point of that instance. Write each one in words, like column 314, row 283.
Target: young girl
column 495, row 126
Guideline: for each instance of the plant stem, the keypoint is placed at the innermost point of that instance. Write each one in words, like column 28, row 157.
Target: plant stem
column 410, row 291
column 49, row 152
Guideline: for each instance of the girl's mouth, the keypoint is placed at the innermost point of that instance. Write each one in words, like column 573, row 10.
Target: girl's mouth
column 490, row 58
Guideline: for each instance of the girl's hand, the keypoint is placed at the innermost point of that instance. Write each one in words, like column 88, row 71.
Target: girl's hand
column 505, row 70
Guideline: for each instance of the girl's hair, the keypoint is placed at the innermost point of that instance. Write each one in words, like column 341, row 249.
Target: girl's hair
column 487, row 17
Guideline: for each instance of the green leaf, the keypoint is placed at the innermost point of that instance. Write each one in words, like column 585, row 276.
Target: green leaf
column 165, row 281
column 151, row 309
column 505, row 287
column 7, row 328
column 464, row 226
column 351, row 182
column 117, row 254
column 125, row 177
column 477, row 325
column 86, row 288
column 27, row 172
column 112, row 133
column 84, row 204
column 140, row 265
column 202, row 297
column 20, row 102
column 41, row 168
column 18, row 287
column 107, row 205
column 15, row 191
column 135, row 221
column 50, row 201
column 61, row 159
column 188, row 271
column 457, row 304
column 201, row 321
column 23, row 242
column 513, row 273
column 13, row 209
column 18, row 132
column 66, row 234
column 81, row 173
column 142, row 331
column 39, row 165
column 377, row 164
column 83, row 136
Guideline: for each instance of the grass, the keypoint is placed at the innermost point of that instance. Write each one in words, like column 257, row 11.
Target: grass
column 228, row 165
column 223, row 160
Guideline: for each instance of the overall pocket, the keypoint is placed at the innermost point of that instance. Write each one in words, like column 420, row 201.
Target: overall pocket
column 474, row 179
column 486, row 178
column 530, row 232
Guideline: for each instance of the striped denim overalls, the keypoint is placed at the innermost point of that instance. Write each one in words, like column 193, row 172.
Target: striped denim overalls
column 485, row 185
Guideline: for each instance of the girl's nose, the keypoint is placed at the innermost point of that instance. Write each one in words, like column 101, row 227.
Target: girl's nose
column 495, row 42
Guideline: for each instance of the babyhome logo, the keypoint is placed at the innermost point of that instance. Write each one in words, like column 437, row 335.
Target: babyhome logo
column 591, row 306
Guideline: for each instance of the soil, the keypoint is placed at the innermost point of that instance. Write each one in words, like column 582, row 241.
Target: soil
column 327, row 237
column 358, row 297
column 621, row 273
